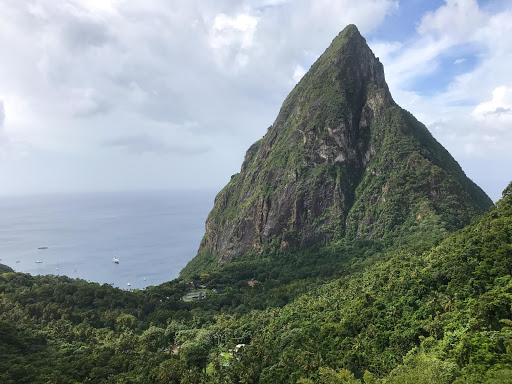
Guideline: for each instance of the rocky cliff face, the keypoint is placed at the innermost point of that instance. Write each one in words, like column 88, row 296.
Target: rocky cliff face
column 341, row 160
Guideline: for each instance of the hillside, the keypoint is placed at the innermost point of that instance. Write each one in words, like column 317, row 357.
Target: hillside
column 341, row 161
column 440, row 316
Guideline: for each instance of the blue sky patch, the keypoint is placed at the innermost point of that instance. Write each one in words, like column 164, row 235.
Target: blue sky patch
column 457, row 61
column 401, row 24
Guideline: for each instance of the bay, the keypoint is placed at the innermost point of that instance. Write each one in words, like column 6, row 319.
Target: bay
column 153, row 234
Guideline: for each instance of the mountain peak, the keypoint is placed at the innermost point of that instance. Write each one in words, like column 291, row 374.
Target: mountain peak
column 350, row 28
column 349, row 61
column 341, row 160
column 349, row 34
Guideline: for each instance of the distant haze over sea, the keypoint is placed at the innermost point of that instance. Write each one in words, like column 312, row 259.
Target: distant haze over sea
column 153, row 234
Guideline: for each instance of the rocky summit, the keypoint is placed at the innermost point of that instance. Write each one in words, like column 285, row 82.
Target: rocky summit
column 341, row 161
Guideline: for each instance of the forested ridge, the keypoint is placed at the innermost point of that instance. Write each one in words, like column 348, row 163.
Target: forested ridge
column 402, row 315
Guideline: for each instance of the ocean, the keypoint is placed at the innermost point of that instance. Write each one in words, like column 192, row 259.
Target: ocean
column 153, row 234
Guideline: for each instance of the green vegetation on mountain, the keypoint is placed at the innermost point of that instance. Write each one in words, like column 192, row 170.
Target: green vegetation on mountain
column 5, row 268
column 334, row 256
column 449, row 307
column 442, row 315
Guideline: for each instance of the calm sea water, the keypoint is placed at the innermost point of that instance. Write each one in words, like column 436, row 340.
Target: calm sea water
column 153, row 234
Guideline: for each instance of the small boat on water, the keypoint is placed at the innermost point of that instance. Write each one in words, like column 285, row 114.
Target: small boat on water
column 42, row 247
column 17, row 261
column 115, row 260
column 128, row 284
column 39, row 262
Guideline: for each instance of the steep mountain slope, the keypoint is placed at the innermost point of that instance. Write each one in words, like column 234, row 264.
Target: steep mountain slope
column 447, row 309
column 341, row 160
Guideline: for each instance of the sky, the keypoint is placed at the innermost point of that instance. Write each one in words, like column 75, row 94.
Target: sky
column 99, row 95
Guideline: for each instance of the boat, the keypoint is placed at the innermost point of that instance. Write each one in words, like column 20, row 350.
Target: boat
column 128, row 284
column 17, row 261
column 42, row 247
column 38, row 262
column 115, row 260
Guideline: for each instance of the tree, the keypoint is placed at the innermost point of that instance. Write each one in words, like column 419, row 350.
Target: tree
column 153, row 338
column 194, row 353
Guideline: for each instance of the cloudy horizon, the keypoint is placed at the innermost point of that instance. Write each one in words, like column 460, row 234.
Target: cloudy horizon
column 99, row 95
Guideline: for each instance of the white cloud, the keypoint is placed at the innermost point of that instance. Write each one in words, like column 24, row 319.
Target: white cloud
column 498, row 109
column 458, row 20
column 143, row 144
column 107, row 6
column 386, row 49
column 77, row 74
column 232, row 37
column 456, row 23
column 237, row 30
column 3, row 136
column 462, row 114
column 298, row 73
column 87, row 102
